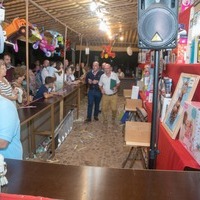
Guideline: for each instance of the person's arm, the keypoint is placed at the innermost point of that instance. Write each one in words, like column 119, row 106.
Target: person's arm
column 57, row 71
column 3, row 144
column 102, row 90
column 12, row 98
column 48, row 95
column 87, row 80
column 115, row 89
column 101, row 86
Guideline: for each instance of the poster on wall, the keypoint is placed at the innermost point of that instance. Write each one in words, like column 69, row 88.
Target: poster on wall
column 190, row 129
column 184, row 92
column 198, row 50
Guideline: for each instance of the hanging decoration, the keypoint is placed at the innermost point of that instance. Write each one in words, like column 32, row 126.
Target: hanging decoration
column 2, row 18
column 15, row 30
column 45, row 44
column 68, row 45
column 107, row 51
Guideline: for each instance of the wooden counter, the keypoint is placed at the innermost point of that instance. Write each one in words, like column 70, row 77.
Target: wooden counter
column 45, row 115
column 95, row 183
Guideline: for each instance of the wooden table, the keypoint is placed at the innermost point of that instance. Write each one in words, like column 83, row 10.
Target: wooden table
column 96, row 183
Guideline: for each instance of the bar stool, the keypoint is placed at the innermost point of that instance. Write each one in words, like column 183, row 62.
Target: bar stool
column 141, row 114
column 127, row 93
column 130, row 106
column 137, row 136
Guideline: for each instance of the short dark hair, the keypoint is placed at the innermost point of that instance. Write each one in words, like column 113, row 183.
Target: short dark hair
column 58, row 65
column 49, row 79
column 52, row 62
column 7, row 54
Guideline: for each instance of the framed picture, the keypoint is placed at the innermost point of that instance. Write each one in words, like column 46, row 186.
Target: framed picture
column 184, row 92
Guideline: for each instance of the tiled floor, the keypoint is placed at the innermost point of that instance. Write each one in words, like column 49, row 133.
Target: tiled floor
column 91, row 144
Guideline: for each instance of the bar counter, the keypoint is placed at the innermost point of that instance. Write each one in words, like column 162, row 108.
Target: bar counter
column 43, row 116
column 95, row 183
column 26, row 114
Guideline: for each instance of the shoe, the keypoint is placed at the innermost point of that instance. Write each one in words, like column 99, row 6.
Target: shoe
column 96, row 118
column 87, row 120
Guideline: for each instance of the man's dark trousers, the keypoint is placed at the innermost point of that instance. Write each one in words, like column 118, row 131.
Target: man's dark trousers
column 94, row 98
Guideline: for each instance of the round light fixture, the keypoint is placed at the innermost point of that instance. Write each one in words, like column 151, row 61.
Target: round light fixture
column 129, row 51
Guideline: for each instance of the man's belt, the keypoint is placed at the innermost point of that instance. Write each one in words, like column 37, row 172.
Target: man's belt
column 111, row 94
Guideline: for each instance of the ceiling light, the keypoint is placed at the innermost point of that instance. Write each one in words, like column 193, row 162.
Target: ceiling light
column 121, row 38
column 109, row 35
column 103, row 26
column 99, row 14
column 93, row 6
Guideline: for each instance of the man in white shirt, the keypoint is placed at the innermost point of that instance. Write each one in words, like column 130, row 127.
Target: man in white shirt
column 109, row 83
column 45, row 72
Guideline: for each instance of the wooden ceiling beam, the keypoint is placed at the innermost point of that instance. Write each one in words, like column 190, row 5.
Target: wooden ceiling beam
column 99, row 48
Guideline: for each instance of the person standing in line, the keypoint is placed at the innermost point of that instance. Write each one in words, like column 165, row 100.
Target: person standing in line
column 6, row 89
column 66, row 63
column 10, row 144
column 103, row 66
column 120, row 73
column 44, row 72
column 102, row 69
column 46, row 90
column 59, row 76
column 109, row 83
column 51, row 69
column 94, row 93
column 38, row 74
column 9, row 67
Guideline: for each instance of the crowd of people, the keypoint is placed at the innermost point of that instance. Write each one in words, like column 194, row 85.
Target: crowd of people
column 13, row 79
column 44, row 82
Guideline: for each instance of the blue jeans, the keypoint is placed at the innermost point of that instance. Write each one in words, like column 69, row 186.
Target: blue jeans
column 94, row 98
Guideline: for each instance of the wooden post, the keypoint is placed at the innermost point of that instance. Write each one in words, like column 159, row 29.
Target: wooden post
column 65, row 39
column 61, row 110
column 80, row 55
column 27, row 54
column 53, row 130
column 78, row 100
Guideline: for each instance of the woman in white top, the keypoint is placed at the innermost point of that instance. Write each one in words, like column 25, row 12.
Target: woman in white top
column 52, row 69
column 69, row 76
column 120, row 73
column 19, row 77
column 5, row 87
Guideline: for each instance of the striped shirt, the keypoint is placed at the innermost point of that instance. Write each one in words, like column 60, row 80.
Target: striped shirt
column 5, row 87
